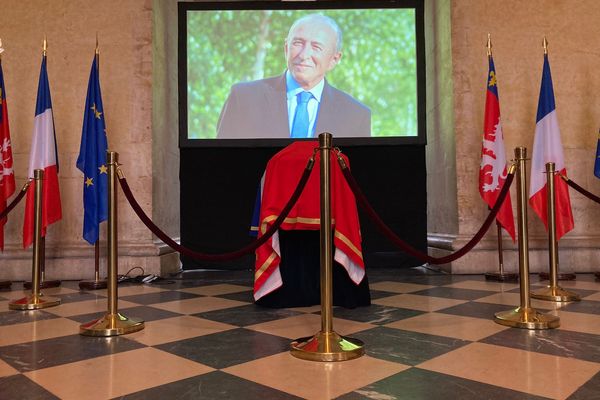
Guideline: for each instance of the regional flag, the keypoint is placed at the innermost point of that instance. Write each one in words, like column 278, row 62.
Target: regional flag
column 92, row 159
column 493, row 170
column 7, row 176
column 547, row 147
column 43, row 155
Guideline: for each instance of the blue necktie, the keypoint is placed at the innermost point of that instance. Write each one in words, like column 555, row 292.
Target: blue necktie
column 301, row 122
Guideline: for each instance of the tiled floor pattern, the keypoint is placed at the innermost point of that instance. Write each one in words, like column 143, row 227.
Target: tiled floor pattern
column 427, row 336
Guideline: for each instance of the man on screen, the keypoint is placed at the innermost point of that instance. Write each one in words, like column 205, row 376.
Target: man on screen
column 300, row 103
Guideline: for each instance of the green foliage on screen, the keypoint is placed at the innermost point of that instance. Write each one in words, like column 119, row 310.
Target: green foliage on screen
column 378, row 65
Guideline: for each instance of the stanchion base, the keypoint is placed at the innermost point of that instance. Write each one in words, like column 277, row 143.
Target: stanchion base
column 526, row 318
column 43, row 284
column 327, row 347
column 501, row 276
column 5, row 284
column 561, row 276
column 93, row 285
column 32, row 302
column 555, row 293
column 111, row 325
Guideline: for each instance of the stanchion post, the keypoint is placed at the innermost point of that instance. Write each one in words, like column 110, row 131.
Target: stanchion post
column 553, row 292
column 113, row 323
column 44, row 284
column 36, row 300
column 524, row 316
column 326, row 345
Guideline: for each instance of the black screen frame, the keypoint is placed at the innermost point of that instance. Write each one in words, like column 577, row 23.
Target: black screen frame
column 184, row 7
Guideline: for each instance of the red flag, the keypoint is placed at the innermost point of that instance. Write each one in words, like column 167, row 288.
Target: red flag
column 7, row 176
column 547, row 147
column 493, row 171
column 43, row 156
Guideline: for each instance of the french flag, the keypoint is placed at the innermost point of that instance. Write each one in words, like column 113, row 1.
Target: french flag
column 43, row 156
column 547, row 147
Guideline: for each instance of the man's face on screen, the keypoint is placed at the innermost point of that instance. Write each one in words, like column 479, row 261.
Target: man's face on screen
column 310, row 51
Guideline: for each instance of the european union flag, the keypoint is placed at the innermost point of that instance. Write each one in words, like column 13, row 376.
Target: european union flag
column 92, row 159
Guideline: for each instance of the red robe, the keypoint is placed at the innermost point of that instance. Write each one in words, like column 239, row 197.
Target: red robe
column 281, row 177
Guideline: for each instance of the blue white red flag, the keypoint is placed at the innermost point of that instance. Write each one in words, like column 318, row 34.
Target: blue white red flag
column 493, row 170
column 43, row 156
column 92, row 159
column 7, row 176
column 547, row 147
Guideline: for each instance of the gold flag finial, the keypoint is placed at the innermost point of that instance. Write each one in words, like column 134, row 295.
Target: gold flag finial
column 1, row 49
column 489, row 45
column 545, row 44
column 44, row 46
column 97, row 49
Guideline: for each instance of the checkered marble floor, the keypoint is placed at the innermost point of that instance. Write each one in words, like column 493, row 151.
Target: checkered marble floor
column 427, row 336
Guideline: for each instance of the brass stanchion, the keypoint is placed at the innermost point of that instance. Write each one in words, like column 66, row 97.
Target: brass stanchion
column 112, row 323
column 97, row 283
column 36, row 300
column 524, row 316
column 501, row 275
column 553, row 292
column 326, row 345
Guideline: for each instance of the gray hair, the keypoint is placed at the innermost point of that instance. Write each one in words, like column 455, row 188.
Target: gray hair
column 321, row 18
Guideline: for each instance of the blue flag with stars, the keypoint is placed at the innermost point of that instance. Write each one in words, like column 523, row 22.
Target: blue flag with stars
column 92, row 159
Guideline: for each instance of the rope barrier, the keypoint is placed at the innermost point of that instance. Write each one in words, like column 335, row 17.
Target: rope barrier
column 223, row 256
column 15, row 201
column 581, row 190
column 362, row 200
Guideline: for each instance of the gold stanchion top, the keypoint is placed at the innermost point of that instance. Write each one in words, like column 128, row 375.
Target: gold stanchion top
column 550, row 167
column 325, row 140
column 38, row 174
column 521, row 153
column 489, row 45
column 545, row 45
column 112, row 157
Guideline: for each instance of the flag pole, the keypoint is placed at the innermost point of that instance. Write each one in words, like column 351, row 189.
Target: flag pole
column 544, row 275
column 44, row 284
column 500, row 275
column 97, row 283
column 3, row 284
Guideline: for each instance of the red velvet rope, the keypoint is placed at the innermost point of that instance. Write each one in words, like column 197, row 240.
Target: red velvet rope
column 15, row 201
column 581, row 190
column 223, row 256
column 362, row 200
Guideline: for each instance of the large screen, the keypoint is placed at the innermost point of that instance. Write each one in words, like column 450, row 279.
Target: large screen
column 266, row 73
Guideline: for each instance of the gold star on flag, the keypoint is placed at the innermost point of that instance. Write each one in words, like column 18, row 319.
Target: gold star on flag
column 103, row 169
column 96, row 112
column 89, row 182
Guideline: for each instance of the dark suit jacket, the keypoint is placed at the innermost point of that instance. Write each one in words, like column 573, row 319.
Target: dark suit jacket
column 258, row 109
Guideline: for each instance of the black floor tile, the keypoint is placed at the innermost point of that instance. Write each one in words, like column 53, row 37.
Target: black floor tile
column 19, row 387
column 66, row 349
column 375, row 314
column 20, row 317
column 584, row 306
column 454, row 293
column 419, row 384
column 247, row 315
column 551, row 341
column 409, row 348
column 159, row 297
column 245, row 296
column 214, row 385
column 143, row 312
column 224, row 349
column 476, row 310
